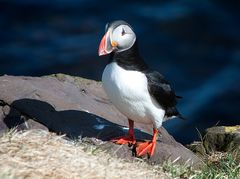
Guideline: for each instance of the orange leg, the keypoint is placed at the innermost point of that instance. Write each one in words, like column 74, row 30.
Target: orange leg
column 129, row 139
column 147, row 147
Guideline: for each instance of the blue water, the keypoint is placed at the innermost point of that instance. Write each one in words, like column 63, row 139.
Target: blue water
column 195, row 44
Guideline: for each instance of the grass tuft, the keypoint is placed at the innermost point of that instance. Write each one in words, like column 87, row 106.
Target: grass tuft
column 222, row 165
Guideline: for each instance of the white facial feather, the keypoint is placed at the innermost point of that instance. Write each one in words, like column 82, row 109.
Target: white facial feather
column 124, row 36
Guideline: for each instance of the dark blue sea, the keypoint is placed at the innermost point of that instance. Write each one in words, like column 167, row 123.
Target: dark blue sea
column 195, row 44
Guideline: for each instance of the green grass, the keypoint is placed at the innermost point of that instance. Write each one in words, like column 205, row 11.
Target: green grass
column 218, row 166
column 225, row 165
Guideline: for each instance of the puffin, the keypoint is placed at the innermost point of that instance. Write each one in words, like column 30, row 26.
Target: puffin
column 138, row 92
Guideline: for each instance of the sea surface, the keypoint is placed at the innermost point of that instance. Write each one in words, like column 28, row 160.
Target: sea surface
column 194, row 44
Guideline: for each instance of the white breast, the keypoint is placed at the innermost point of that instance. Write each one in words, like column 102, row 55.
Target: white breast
column 128, row 91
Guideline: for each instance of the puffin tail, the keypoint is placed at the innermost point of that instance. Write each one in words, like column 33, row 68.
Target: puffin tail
column 178, row 97
column 172, row 112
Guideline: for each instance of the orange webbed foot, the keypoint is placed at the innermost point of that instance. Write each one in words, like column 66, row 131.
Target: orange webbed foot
column 146, row 148
column 124, row 140
column 129, row 139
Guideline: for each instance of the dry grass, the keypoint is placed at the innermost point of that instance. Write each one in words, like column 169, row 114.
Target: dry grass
column 40, row 154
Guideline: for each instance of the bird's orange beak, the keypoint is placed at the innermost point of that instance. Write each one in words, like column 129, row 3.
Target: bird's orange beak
column 106, row 46
column 102, row 50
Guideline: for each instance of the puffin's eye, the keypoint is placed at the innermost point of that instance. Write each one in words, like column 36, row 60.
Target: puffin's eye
column 123, row 32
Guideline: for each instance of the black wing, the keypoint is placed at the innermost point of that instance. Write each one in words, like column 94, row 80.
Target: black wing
column 160, row 90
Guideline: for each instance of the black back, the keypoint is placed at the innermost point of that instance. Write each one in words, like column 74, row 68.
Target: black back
column 158, row 87
column 162, row 92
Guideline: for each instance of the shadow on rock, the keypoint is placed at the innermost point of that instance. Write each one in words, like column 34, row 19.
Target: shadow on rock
column 70, row 122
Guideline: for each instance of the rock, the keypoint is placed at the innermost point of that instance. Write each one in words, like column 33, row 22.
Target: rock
column 3, row 126
column 78, row 107
column 198, row 148
column 222, row 138
column 12, row 118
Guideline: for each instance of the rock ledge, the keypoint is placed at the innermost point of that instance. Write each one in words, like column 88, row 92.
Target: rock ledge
column 77, row 107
